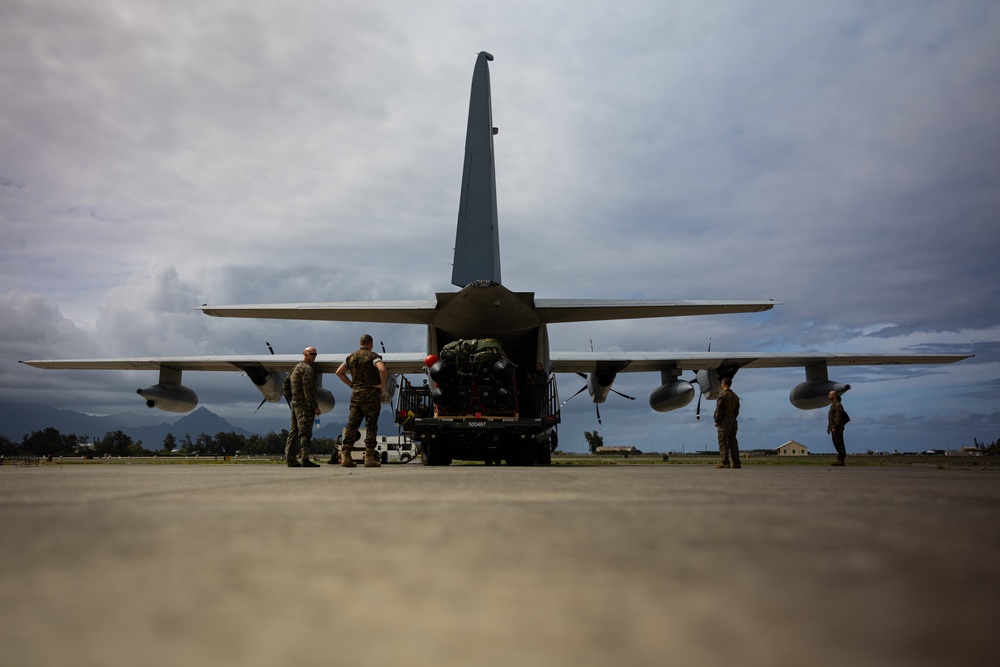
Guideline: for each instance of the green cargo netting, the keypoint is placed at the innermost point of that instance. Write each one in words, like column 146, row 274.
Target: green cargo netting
column 470, row 357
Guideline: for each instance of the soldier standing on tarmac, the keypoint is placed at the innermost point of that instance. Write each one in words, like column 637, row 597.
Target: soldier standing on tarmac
column 300, row 390
column 836, row 421
column 727, row 409
column 368, row 378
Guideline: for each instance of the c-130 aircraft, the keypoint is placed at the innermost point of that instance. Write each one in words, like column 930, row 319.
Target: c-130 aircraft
column 483, row 308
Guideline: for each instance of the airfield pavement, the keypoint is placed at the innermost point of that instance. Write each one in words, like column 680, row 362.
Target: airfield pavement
column 471, row 565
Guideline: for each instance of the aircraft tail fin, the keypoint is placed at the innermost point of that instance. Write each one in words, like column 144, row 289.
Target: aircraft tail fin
column 477, row 242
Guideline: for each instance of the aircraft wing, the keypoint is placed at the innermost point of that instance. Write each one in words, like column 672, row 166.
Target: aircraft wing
column 642, row 362
column 562, row 362
column 395, row 362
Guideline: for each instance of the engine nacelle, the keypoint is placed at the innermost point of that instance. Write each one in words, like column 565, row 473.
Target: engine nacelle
column 169, row 397
column 389, row 390
column 813, row 394
column 268, row 384
column 671, row 396
column 710, row 384
column 815, row 391
column 599, row 382
column 324, row 399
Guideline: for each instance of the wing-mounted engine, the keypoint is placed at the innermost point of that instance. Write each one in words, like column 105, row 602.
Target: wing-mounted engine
column 268, row 383
column 169, row 394
column 599, row 382
column 673, row 392
column 324, row 397
column 814, row 392
column 599, row 385
column 389, row 390
column 709, row 384
column 391, row 382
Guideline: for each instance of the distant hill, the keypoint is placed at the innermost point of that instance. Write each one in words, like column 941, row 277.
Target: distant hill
column 201, row 420
column 19, row 419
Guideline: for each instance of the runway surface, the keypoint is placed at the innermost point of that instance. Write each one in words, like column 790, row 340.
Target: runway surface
column 565, row 565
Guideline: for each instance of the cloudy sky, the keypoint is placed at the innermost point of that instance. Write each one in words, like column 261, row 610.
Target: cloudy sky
column 841, row 158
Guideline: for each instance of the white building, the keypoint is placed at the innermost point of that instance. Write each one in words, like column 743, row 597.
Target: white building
column 793, row 448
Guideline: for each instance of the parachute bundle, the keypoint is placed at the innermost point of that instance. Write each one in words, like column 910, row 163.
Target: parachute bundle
column 474, row 376
column 472, row 357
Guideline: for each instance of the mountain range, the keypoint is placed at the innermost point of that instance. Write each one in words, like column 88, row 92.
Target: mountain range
column 20, row 419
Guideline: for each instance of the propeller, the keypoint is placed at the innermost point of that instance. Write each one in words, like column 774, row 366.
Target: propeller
column 579, row 391
column 697, row 410
column 615, row 391
column 597, row 407
column 265, row 398
column 395, row 382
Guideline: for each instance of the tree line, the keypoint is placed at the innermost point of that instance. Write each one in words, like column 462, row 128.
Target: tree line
column 50, row 442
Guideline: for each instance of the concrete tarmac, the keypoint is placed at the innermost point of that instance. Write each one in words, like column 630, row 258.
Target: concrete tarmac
column 471, row 565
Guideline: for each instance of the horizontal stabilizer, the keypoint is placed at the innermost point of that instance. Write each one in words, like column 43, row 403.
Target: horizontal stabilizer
column 553, row 311
column 397, row 312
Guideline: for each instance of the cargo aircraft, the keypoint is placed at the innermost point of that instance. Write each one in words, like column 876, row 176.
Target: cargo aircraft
column 483, row 308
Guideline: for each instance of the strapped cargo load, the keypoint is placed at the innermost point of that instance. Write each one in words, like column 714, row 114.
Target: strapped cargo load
column 472, row 357
column 474, row 375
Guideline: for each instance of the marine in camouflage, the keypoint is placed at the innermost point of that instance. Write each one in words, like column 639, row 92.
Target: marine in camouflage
column 302, row 383
column 366, row 399
column 837, row 419
column 727, row 409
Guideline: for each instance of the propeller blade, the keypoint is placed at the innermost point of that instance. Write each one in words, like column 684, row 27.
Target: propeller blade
column 261, row 403
column 269, row 346
column 697, row 411
column 631, row 398
column 571, row 397
column 597, row 407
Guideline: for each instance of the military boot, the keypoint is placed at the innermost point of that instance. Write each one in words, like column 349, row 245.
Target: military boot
column 735, row 454
column 371, row 458
column 306, row 462
column 334, row 458
column 346, row 459
column 724, row 451
column 841, row 455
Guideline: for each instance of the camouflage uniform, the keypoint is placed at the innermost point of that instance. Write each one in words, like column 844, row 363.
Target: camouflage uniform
column 366, row 400
column 836, row 421
column 302, row 382
column 727, row 409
